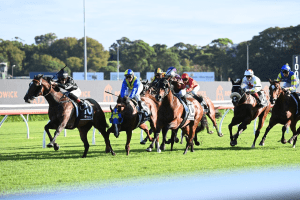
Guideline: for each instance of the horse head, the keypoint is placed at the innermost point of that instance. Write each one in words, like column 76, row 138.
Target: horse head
column 163, row 88
column 116, row 119
column 275, row 90
column 236, row 91
column 37, row 87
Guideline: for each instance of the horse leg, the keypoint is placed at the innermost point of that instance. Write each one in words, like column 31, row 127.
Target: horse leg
column 283, row 140
column 294, row 137
column 105, row 135
column 234, row 121
column 146, row 138
column 83, row 136
column 295, row 133
column 144, row 127
column 262, row 118
column 188, row 142
column 213, row 119
column 196, row 140
column 174, row 132
column 164, row 142
column 56, row 134
column 271, row 124
column 127, row 146
column 48, row 126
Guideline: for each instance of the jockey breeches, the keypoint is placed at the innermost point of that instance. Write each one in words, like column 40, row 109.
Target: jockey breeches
column 137, row 95
column 182, row 92
column 76, row 92
column 195, row 90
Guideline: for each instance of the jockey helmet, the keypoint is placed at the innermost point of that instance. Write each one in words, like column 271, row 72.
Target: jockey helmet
column 177, row 77
column 185, row 76
column 249, row 72
column 62, row 74
column 128, row 72
column 286, row 67
column 171, row 71
column 158, row 71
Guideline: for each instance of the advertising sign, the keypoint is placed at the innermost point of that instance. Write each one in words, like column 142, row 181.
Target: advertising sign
column 295, row 67
column 90, row 76
column 114, row 75
column 202, row 76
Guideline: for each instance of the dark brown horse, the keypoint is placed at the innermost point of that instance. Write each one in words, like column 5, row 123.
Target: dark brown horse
column 128, row 119
column 245, row 110
column 283, row 112
column 62, row 114
column 171, row 113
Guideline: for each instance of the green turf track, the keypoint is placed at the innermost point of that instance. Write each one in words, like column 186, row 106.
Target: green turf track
column 26, row 166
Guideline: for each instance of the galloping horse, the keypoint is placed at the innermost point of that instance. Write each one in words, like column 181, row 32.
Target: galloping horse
column 171, row 113
column 245, row 110
column 62, row 114
column 283, row 112
column 128, row 119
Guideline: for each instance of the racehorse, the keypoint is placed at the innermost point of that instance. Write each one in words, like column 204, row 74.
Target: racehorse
column 283, row 112
column 128, row 119
column 245, row 110
column 62, row 113
column 171, row 113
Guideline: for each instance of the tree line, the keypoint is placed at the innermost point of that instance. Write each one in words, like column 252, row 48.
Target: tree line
column 268, row 51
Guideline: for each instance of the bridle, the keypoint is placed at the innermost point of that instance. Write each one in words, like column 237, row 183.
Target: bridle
column 40, row 85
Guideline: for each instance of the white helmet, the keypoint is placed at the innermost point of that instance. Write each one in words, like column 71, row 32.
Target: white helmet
column 249, row 72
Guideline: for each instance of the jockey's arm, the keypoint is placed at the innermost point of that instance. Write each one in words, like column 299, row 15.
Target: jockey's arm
column 279, row 78
column 123, row 89
column 134, row 89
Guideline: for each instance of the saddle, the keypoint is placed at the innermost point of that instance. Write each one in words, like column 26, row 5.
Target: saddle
column 86, row 114
column 143, row 117
column 189, row 110
column 262, row 98
column 201, row 100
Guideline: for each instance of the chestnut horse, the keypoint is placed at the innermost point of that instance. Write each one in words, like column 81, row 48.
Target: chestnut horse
column 171, row 113
column 245, row 110
column 128, row 119
column 62, row 114
column 283, row 112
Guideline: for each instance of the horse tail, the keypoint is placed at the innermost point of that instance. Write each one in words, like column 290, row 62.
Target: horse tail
column 218, row 114
column 203, row 124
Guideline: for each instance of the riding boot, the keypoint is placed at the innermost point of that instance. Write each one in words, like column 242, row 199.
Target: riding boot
column 257, row 99
column 77, row 100
column 184, row 99
column 141, row 107
column 81, row 104
column 203, row 103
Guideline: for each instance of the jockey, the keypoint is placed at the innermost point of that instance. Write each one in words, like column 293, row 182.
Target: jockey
column 289, row 78
column 192, row 86
column 252, row 84
column 158, row 73
column 67, row 83
column 132, row 87
column 180, row 90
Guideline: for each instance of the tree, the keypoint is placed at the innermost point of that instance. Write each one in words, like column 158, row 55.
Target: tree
column 46, row 63
column 46, row 39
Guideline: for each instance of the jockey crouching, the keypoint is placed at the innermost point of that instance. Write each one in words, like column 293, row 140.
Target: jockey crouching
column 192, row 86
column 252, row 84
column 180, row 90
column 67, row 83
column 290, row 81
column 132, row 87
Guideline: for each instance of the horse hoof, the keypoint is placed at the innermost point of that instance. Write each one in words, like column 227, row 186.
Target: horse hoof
column 283, row 141
column 56, row 147
column 149, row 149
column 113, row 153
column 253, row 146
column 233, row 143
column 294, row 146
column 143, row 142
column 197, row 143
column 176, row 140
column 168, row 142
column 210, row 132
column 50, row 145
column 158, row 151
column 261, row 144
column 290, row 141
column 220, row 135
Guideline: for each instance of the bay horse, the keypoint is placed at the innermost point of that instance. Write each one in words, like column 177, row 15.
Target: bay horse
column 283, row 112
column 245, row 110
column 171, row 113
column 128, row 113
column 62, row 113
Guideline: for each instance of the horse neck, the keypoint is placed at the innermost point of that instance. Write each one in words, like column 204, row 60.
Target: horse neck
column 169, row 99
column 53, row 98
column 243, row 99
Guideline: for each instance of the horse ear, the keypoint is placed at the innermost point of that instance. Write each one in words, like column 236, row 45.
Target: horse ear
column 231, row 80
column 270, row 80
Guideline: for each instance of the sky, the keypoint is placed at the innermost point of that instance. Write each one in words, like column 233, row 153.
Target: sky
column 195, row 22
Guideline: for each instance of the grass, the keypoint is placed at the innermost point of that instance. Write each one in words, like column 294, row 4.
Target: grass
column 26, row 166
